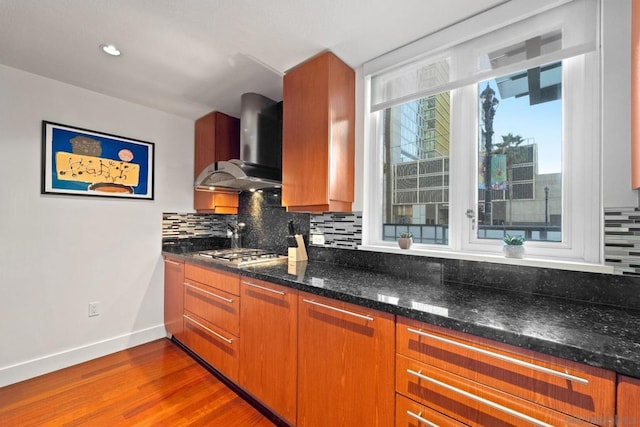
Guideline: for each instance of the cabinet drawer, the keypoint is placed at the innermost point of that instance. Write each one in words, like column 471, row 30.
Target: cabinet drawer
column 217, row 307
column 222, row 280
column 469, row 402
column 217, row 347
column 412, row 414
column 579, row 390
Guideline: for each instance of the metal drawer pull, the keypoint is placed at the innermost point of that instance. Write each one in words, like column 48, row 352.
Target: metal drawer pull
column 350, row 313
column 420, row 419
column 209, row 293
column 480, row 399
column 172, row 262
column 263, row 288
column 503, row 358
column 190, row 319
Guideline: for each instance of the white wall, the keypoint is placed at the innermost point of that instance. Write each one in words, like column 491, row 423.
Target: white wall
column 616, row 104
column 58, row 253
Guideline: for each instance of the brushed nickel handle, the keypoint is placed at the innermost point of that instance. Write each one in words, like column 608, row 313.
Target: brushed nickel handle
column 229, row 300
column 350, row 313
column 503, row 357
column 173, row 262
column 420, row 419
column 479, row 399
column 264, row 288
column 192, row 320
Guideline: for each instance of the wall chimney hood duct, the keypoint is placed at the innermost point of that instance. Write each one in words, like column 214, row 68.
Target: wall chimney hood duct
column 260, row 163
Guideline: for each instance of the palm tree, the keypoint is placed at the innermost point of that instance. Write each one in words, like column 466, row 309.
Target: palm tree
column 508, row 141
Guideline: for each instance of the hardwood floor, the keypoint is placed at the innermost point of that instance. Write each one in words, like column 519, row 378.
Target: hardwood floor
column 155, row 384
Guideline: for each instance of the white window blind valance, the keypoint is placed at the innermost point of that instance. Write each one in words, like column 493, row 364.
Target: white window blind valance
column 558, row 33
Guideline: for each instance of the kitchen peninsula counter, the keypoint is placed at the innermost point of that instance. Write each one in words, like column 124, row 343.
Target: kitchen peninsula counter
column 600, row 335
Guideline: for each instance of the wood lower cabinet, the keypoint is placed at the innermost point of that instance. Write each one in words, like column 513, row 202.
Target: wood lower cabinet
column 316, row 361
column 544, row 387
column 318, row 136
column 268, row 350
column 212, row 317
column 628, row 401
column 173, row 297
column 345, row 364
column 217, row 137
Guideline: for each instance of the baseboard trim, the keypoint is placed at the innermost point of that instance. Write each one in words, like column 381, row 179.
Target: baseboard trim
column 56, row 361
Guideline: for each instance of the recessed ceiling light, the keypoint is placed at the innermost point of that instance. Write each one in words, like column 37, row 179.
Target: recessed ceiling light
column 110, row 49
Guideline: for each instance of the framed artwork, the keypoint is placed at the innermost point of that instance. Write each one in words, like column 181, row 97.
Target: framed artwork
column 83, row 162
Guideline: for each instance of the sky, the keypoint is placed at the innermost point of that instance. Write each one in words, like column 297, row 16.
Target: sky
column 542, row 122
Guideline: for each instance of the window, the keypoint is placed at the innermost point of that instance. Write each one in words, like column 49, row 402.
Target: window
column 474, row 138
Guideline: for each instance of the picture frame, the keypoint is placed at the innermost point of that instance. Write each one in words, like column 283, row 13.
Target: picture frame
column 83, row 162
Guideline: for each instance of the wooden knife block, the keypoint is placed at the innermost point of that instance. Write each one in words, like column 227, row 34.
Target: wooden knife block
column 299, row 253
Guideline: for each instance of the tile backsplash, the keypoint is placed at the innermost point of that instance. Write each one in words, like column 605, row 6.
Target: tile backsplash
column 340, row 230
column 189, row 225
column 622, row 240
column 266, row 227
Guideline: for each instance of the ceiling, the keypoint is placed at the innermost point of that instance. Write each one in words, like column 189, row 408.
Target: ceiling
column 190, row 57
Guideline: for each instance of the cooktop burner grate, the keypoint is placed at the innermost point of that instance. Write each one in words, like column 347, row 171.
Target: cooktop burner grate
column 244, row 256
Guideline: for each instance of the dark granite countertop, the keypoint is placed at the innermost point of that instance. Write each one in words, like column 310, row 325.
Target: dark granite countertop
column 598, row 335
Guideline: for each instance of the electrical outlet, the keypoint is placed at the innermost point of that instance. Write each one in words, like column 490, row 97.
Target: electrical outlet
column 317, row 239
column 94, row 308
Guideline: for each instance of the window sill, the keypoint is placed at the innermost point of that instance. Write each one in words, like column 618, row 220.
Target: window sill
column 527, row 261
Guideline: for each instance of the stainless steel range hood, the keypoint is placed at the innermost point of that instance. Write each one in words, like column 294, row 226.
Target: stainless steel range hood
column 260, row 163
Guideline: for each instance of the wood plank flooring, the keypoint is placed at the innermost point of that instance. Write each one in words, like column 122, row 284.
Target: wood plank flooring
column 155, row 384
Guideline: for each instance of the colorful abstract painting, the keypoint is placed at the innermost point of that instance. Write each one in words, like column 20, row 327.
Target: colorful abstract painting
column 83, row 162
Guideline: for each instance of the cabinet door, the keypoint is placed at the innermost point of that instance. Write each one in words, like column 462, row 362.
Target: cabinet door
column 628, row 409
column 217, row 137
column 268, row 349
column 345, row 364
column 318, row 136
column 173, row 298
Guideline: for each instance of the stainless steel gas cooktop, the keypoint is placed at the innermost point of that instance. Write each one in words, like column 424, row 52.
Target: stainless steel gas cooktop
column 244, row 256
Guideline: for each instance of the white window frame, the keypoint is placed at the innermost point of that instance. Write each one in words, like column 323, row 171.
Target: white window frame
column 582, row 221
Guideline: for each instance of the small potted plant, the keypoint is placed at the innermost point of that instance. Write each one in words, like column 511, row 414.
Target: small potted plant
column 513, row 246
column 405, row 240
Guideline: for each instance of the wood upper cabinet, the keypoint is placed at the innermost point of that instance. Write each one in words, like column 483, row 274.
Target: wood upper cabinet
column 173, row 298
column 345, row 364
column 217, row 137
column 628, row 401
column 268, row 350
column 318, row 136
